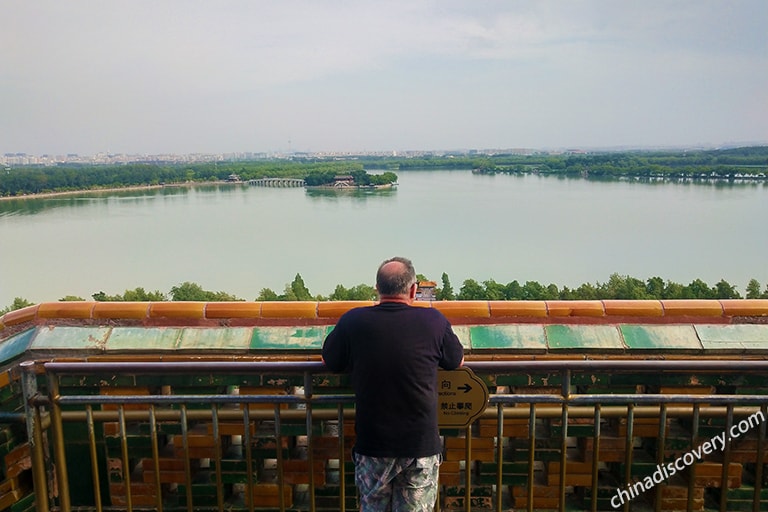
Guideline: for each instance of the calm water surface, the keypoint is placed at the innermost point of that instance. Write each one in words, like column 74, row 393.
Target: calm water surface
column 240, row 239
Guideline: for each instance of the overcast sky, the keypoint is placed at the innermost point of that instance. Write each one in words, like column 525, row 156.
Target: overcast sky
column 152, row 76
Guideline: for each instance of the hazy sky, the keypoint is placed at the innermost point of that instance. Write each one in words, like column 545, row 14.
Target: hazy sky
column 185, row 76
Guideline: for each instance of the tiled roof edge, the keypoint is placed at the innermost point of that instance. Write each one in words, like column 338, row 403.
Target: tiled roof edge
column 480, row 311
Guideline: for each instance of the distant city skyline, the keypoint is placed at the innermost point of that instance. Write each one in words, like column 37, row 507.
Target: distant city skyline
column 23, row 159
column 183, row 78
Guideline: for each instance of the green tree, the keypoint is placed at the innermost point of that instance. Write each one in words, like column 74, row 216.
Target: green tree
column 533, row 290
column 18, row 303
column 624, row 287
column 446, row 291
column 552, row 292
column 753, row 289
column 725, row 290
column 140, row 295
column 493, row 290
column 513, row 291
column 265, row 294
column 674, row 291
column 654, row 288
column 586, row 291
column 298, row 289
column 194, row 292
column 386, row 178
column 188, row 292
column 359, row 292
column 71, row 298
column 698, row 289
column 471, row 290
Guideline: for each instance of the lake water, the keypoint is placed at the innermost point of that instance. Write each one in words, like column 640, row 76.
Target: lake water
column 240, row 239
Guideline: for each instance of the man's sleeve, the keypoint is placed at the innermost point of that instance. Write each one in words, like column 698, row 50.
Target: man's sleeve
column 335, row 351
column 453, row 352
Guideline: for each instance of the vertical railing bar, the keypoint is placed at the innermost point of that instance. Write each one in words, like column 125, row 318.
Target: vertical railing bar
column 628, row 447
column 248, row 454
column 35, row 436
column 691, row 470
column 566, row 392
column 217, row 455
column 499, row 454
column 661, row 448
column 342, row 472
column 726, row 459
column 531, row 452
column 308, row 391
column 59, row 451
column 759, row 461
column 42, row 496
column 279, row 456
column 595, row 457
column 468, row 468
column 124, row 451
column 187, row 462
column 94, row 458
column 155, row 456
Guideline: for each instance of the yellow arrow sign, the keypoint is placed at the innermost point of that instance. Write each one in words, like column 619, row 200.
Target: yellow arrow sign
column 462, row 397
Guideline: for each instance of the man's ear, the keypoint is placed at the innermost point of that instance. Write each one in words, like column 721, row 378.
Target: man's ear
column 413, row 290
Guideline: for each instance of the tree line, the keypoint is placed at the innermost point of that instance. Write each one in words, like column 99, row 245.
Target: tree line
column 616, row 287
column 36, row 180
column 737, row 163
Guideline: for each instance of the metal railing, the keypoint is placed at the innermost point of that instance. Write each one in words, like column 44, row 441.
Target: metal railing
column 312, row 412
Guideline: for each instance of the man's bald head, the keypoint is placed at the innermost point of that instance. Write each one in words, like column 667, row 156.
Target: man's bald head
column 395, row 276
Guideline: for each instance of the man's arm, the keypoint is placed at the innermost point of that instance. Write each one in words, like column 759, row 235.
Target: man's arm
column 335, row 351
column 453, row 352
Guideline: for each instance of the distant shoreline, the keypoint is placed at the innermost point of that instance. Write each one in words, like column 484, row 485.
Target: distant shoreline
column 46, row 195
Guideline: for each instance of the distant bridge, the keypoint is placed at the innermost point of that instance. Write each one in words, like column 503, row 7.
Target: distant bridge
column 277, row 182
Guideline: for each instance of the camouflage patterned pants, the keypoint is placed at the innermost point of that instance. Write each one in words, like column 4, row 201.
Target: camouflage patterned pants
column 397, row 484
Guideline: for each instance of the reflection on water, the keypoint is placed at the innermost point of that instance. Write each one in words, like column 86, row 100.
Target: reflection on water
column 31, row 205
column 354, row 194
column 35, row 204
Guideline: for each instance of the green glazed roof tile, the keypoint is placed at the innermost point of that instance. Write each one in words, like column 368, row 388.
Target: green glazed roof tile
column 143, row 338
column 660, row 337
column 15, row 345
column 233, row 338
column 733, row 337
column 583, row 337
column 289, row 338
column 522, row 336
column 71, row 338
column 463, row 332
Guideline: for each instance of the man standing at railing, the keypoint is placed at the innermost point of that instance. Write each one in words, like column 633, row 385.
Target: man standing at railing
column 393, row 351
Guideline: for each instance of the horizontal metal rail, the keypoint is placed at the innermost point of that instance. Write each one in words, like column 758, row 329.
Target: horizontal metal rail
column 481, row 367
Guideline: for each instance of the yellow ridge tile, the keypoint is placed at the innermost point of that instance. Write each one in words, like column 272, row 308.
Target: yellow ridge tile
column 536, row 308
column 575, row 308
column 177, row 310
column 126, row 310
column 334, row 309
column 633, row 308
column 65, row 310
column 463, row 308
column 20, row 316
column 295, row 309
column 745, row 307
column 693, row 307
column 233, row 310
